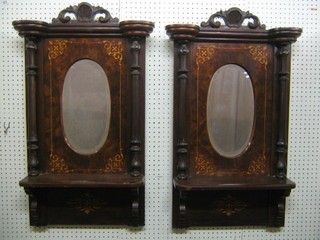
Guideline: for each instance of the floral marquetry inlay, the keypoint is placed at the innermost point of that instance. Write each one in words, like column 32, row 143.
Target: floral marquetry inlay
column 204, row 167
column 56, row 48
column 257, row 166
column 58, row 164
column 114, row 49
column 87, row 203
column 114, row 164
column 229, row 205
column 204, row 54
column 259, row 53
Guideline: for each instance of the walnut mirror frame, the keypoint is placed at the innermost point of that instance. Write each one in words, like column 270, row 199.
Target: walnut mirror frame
column 85, row 96
column 231, row 105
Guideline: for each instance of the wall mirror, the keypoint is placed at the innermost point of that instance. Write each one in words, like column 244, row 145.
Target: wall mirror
column 231, row 100
column 86, row 107
column 85, row 118
column 230, row 110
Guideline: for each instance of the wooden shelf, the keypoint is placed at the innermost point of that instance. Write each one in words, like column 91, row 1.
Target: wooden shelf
column 82, row 180
column 234, row 183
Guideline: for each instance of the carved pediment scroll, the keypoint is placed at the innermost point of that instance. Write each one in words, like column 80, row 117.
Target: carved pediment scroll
column 233, row 18
column 84, row 13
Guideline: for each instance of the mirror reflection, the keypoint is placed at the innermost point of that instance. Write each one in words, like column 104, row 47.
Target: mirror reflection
column 230, row 110
column 86, row 107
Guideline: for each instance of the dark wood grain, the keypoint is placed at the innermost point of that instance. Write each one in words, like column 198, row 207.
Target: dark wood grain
column 31, row 92
column 234, row 183
column 66, row 187
column 250, row 188
column 82, row 180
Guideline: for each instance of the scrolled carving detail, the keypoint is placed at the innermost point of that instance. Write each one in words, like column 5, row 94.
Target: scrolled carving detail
column 84, row 12
column 285, row 50
column 233, row 18
column 184, row 49
column 34, row 207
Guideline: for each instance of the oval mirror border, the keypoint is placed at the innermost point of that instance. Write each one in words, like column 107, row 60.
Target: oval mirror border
column 86, row 107
column 230, row 110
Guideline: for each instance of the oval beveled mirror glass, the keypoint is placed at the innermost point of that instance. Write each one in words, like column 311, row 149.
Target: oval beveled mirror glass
column 230, row 110
column 86, row 107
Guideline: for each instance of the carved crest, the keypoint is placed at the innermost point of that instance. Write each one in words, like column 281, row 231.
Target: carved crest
column 84, row 13
column 233, row 18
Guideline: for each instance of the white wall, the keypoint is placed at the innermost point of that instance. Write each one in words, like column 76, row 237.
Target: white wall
column 303, row 206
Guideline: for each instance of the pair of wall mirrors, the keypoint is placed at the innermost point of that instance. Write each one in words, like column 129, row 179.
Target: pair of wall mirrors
column 85, row 96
